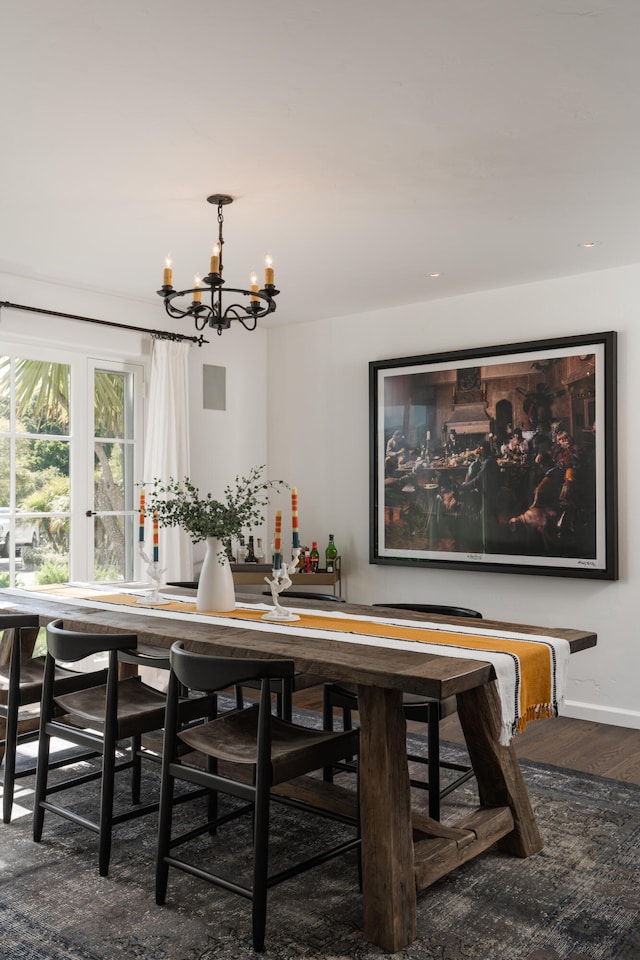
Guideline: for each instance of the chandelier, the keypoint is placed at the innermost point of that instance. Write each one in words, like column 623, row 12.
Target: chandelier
column 259, row 302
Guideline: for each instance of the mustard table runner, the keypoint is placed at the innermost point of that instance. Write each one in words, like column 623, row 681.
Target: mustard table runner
column 530, row 671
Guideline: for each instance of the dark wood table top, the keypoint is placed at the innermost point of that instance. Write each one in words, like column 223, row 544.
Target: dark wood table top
column 411, row 671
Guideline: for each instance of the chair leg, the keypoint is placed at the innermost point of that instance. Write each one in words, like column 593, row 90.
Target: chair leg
column 136, row 770
column 106, row 805
column 260, row 865
column 212, row 797
column 11, row 734
column 346, row 719
column 359, row 848
column 42, row 777
column 327, row 724
column 164, row 837
column 433, row 759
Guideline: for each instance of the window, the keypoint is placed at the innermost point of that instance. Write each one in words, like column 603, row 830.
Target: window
column 114, row 474
column 66, row 479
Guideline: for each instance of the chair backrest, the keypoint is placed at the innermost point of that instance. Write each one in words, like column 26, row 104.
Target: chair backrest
column 198, row 671
column 12, row 621
column 71, row 645
column 18, row 646
column 442, row 609
column 306, row 595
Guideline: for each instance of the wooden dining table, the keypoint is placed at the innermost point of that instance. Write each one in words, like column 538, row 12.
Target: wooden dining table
column 403, row 851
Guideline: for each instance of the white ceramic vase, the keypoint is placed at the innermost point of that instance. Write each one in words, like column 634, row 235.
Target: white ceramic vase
column 216, row 591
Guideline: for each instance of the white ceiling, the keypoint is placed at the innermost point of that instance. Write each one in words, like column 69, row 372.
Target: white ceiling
column 368, row 144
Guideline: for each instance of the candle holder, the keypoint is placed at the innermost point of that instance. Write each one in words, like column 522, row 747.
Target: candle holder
column 152, row 598
column 281, row 581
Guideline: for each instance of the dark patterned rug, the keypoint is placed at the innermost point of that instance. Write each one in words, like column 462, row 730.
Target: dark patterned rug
column 579, row 899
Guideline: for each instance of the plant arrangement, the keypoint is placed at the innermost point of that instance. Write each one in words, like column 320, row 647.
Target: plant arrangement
column 179, row 504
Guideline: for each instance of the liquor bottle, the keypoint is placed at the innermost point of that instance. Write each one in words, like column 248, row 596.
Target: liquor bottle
column 330, row 555
column 260, row 552
column 307, row 561
column 250, row 557
column 314, row 556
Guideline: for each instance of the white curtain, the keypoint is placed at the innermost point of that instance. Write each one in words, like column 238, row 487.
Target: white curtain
column 166, row 449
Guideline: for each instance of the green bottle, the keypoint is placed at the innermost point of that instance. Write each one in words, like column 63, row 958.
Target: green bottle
column 331, row 554
column 250, row 557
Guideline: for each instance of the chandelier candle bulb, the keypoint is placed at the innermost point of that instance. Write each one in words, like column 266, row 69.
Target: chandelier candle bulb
column 168, row 272
column 268, row 270
column 214, row 265
column 155, row 537
column 197, row 293
column 254, row 287
column 141, row 525
column 294, row 517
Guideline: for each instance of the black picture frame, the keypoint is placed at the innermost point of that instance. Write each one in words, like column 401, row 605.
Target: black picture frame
column 454, row 485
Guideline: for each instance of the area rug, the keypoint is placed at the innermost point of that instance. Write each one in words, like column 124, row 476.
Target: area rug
column 579, row 899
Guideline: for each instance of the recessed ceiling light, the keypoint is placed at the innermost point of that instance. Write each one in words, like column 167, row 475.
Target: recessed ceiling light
column 589, row 243
column 434, row 275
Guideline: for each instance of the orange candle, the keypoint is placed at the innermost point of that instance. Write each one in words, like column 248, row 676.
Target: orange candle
column 155, row 537
column 141, row 527
column 168, row 272
column 268, row 270
column 294, row 516
column 214, row 265
column 197, row 293
column 277, row 541
column 254, row 287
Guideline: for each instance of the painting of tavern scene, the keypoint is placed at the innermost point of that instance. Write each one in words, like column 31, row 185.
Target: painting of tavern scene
column 494, row 459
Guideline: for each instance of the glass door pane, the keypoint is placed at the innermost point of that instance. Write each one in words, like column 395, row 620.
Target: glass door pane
column 34, row 471
column 113, row 473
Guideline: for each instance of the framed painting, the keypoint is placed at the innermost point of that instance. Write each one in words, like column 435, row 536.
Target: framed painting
column 500, row 459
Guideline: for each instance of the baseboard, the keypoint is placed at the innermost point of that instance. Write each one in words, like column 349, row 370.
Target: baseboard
column 597, row 714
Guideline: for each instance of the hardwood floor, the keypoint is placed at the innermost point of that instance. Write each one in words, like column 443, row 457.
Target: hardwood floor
column 596, row 748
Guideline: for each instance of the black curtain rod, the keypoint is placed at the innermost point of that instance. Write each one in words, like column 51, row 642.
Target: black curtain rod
column 105, row 323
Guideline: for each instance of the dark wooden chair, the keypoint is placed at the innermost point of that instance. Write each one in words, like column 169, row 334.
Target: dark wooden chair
column 20, row 695
column 268, row 750
column 96, row 719
column 306, row 595
column 416, row 708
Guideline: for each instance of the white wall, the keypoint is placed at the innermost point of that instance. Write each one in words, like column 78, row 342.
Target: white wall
column 323, row 447
column 107, row 341
column 227, row 443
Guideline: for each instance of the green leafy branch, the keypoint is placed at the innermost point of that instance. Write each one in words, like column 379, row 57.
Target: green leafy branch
column 179, row 504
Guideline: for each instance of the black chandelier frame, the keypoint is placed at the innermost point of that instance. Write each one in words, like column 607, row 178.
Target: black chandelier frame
column 215, row 314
